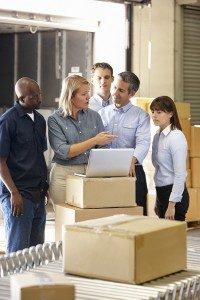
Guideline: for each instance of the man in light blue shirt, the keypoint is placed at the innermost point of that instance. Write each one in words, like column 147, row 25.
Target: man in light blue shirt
column 132, row 126
column 102, row 78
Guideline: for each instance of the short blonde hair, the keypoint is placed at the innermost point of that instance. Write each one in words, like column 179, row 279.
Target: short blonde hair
column 70, row 86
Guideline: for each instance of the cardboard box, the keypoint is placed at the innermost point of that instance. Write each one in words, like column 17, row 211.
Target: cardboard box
column 193, row 213
column 188, row 178
column 195, row 172
column 183, row 110
column 151, row 200
column 100, row 192
column 195, row 138
column 67, row 214
column 186, row 128
column 41, row 285
column 150, row 178
column 188, row 160
column 142, row 102
column 124, row 248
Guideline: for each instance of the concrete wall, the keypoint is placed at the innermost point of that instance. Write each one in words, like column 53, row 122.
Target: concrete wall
column 153, row 48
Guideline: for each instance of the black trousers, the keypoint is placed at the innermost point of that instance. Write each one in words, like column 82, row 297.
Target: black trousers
column 162, row 200
column 141, row 188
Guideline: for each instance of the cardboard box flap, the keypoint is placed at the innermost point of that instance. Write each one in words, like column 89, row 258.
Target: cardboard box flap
column 41, row 279
column 45, row 286
column 41, row 285
column 125, row 224
column 94, row 179
column 105, row 222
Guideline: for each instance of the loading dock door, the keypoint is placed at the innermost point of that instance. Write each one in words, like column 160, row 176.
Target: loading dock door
column 46, row 56
column 191, row 60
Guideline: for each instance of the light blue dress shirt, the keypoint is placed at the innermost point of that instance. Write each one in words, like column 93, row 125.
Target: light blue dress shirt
column 132, row 126
column 64, row 132
column 169, row 154
column 96, row 102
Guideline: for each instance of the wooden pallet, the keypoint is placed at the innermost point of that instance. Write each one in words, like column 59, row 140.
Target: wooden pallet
column 193, row 224
column 2, row 253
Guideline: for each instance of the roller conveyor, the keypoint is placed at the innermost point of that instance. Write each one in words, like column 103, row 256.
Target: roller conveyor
column 48, row 257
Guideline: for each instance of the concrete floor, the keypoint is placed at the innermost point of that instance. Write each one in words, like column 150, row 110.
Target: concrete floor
column 194, row 231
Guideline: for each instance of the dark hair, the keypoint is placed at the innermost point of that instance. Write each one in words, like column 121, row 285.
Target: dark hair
column 132, row 79
column 165, row 103
column 102, row 65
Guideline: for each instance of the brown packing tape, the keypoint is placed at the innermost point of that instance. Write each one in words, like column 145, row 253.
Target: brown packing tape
column 104, row 224
column 125, row 234
column 122, row 233
column 112, row 230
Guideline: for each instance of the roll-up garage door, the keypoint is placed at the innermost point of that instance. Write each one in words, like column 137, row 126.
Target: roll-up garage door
column 191, row 60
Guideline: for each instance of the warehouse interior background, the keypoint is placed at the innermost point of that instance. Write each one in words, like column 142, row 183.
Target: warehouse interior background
column 159, row 40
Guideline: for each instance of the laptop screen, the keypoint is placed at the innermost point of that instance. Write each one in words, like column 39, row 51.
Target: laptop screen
column 109, row 162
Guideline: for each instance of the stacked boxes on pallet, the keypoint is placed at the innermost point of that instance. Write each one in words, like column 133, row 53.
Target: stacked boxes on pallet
column 194, row 189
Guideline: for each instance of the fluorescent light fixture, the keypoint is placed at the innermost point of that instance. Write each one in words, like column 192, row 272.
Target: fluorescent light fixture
column 48, row 21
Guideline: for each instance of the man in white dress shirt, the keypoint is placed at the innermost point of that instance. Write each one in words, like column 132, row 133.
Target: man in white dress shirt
column 102, row 78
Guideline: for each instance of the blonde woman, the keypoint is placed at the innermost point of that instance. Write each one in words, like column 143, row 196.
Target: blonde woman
column 74, row 129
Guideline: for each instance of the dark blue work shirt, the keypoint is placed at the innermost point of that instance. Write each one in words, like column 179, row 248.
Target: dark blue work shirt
column 23, row 142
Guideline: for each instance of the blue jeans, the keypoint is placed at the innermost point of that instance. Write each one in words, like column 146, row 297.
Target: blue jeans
column 26, row 230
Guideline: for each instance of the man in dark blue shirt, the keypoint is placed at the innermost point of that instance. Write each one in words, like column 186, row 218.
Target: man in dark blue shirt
column 23, row 170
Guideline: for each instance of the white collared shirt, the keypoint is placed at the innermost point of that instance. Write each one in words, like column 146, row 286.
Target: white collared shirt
column 169, row 154
column 96, row 102
column 31, row 115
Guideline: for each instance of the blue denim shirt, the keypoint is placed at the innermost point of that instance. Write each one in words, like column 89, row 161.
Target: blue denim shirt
column 23, row 142
column 66, row 131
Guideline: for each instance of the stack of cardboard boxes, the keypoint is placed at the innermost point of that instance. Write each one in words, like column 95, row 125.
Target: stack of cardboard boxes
column 192, row 134
column 91, row 198
column 193, row 181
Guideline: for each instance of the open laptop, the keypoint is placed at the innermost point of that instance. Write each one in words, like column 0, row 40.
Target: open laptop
column 109, row 162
